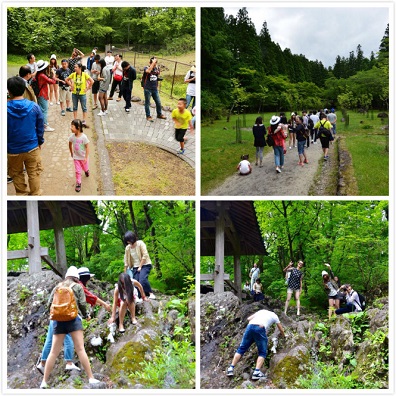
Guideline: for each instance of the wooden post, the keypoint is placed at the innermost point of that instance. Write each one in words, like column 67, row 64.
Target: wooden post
column 33, row 230
column 219, row 250
column 237, row 275
column 60, row 249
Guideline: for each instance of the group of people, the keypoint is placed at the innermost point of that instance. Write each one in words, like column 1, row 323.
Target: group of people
column 42, row 84
column 132, row 287
column 260, row 322
column 254, row 287
column 302, row 130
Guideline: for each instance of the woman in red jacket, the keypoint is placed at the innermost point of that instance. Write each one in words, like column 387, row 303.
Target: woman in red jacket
column 278, row 133
column 42, row 98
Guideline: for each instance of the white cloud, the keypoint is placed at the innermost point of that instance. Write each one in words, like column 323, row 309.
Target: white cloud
column 321, row 33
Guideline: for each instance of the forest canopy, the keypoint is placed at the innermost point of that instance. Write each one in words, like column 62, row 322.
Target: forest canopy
column 350, row 235
column 167, row 228
column 251, row 73
column 60, row 29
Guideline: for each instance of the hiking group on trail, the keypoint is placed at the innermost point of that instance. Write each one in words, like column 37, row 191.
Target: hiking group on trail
column 67, row 307
column 302, row 131
column 260, row 322
column 42, row 84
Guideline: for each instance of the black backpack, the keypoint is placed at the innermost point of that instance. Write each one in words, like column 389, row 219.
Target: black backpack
column 362, row 300
column 270, row 140
column 310, row 123
column 35, row 86
column 322, row 131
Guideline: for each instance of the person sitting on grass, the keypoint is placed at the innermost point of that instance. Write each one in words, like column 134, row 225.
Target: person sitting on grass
column 182, row 119
column 124, row 298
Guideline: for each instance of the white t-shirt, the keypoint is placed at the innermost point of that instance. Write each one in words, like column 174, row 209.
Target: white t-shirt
column 244, row 166
column 264, row 318
column 109, row 60
column 78, row 145
column 191, row 86
column 314, row 118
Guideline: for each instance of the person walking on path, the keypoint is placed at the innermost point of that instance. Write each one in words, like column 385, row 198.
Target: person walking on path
column 68, row 345
column 259, row 133
column 73, row 327
column 256, row 332
column 137, row 263
column 254, row 273
column 190, row 80
column 43, row 98
column 324, row 132
column 150, row 84
column 104, row 79
column 65, row 94
column 301, row 141
column 182, row 119
column 294, row 284
column 117, row 77
column 79, row 84
column 279, row 136
column 25, row 136
column 79, row 150
column 332, row 118
column 129, row 76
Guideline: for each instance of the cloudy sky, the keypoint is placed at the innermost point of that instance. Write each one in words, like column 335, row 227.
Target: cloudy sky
column 321, row 33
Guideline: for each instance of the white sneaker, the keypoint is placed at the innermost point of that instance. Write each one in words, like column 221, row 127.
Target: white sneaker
column 47, row 128
column 44, row 385
column 51, row 104
column 101, row 113
column 138, row 300
column 58, row 103
column 106, row 112
column 93, row 381
column 72, row 367
column 152, row 296
column 40, row 368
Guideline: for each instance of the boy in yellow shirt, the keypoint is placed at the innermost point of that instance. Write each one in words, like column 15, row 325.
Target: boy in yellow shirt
column 182, row 119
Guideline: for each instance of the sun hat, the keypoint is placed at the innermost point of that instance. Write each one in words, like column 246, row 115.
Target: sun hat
column 53, row 56
column 72, row 271
column 192, row 68
column 324, row 273
column 41, row 65
column 274, row 120
column 85, row 271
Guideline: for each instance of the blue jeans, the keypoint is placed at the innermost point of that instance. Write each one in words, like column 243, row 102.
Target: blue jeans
column 257, row 334
column 43, row 103
column 349, row 307
column 190, row 98
column 68, row 344
column 334, row 129
column 83, row 100
column 142, row 278
column 279, row 156
column 148, row 93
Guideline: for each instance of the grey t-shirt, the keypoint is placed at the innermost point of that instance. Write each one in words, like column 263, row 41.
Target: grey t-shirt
column 95, row 66
column 104, row 85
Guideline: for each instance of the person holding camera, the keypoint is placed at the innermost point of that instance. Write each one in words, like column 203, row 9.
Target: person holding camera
column 353, row 302
column 129, row 75
column 150, row 80
column 65, row 94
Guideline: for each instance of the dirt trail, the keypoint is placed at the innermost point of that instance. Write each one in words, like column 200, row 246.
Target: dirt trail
column 294, row 179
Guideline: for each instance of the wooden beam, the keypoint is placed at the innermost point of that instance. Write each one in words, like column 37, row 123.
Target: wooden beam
column 238, row 276
column 210, row 277
column 219, row 250
column 33, row 230
column 24, row 253
column 49, row 261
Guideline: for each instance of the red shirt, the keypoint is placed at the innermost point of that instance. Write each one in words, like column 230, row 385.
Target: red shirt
column 43, row 82
column 91, row 298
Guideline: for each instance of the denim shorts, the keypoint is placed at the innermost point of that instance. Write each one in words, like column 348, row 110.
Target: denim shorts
column 257, row 334
column 300, row 146
column 68, row 327
column 83, row 100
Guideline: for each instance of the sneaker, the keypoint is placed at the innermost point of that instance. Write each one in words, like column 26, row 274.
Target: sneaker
column 326, row 157
column 40, row 367
column 118, row 100
column 138, row 300
column 9, row 180
column 72, row 367
column 290, row 147
column 127, row 110
column 58, row 103
column 87, row 173
column 44, row 385
column 51, row 104
column 110, row 98
column 150, row 119
column 47, row 128
column 69, row 109
column 230, row 371
column 257, row 375
column 95, row 106
column 181, row 151
column 101, row 113
column 93, row 381
column 278, row 170
column 63, row 113
column 106, row 112
column 161, row 116
column 152, row 297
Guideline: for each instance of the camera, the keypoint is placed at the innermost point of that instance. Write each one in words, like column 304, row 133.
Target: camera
column 160, row 79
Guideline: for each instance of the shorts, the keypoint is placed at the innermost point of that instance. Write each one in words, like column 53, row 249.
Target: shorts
column 335, row 297
column 292, row 290
column 325, row 142
column 179, row 134
column 95, row 87
column 68, row 327
column 64, row 94
column 300, row 146
column 102, row 90
column 254, row 334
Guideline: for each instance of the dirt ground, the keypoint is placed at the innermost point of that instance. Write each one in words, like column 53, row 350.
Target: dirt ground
column 141, row 169
column 293, row 181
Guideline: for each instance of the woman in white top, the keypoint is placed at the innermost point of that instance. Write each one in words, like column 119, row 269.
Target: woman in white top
column 137, row 263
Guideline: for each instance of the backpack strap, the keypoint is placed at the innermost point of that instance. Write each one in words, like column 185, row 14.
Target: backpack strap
column 358, row 303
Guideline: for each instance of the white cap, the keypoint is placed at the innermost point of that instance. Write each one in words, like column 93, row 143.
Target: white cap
column 72, row 271
column 53, row 56
column 324, row 273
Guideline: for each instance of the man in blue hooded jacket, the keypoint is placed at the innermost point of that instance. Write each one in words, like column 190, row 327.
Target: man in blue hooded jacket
column 25, row 135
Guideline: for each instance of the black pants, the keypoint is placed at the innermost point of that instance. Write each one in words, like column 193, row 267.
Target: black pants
column 114, row 86
column 127, row 94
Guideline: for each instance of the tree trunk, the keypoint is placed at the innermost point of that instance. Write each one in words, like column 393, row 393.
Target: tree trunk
column 150, row 226
column 133, row 219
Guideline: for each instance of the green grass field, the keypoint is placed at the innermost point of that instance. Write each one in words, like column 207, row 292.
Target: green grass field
column 367, row 147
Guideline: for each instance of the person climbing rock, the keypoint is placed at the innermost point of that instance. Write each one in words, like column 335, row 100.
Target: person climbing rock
column 256, row 331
